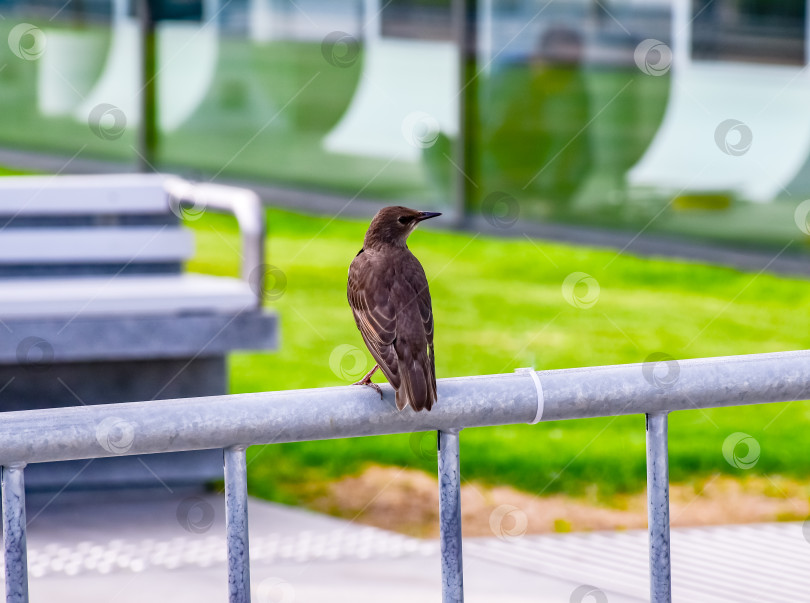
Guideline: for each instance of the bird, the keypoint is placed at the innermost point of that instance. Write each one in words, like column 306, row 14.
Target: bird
column 390, row 300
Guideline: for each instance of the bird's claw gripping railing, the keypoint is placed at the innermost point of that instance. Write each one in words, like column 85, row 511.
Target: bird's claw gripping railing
column 235, row 422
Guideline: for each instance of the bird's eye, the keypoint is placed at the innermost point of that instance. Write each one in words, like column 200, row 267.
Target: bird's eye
column 406, row 219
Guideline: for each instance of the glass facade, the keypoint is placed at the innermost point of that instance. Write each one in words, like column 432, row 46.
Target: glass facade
column 664, row 116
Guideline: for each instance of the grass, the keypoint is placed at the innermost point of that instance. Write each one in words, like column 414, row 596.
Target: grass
column 499, row 306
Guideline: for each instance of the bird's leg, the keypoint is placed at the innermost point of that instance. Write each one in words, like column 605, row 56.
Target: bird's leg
column 367, row 381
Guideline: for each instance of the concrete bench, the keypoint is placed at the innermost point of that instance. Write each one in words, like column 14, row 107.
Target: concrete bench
column 95, row 305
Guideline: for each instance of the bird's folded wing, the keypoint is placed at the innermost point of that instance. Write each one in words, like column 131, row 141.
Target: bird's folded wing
column 376, row 318
column 426, row 354
column 414, row 337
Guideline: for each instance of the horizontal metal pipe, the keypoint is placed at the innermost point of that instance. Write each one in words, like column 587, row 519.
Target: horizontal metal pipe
column 286, row 416
column 664, row 384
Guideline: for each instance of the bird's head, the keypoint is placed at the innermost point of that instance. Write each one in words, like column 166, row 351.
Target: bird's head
column 392, row 225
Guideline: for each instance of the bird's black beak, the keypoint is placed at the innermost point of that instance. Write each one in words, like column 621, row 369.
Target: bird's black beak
column 426, row 215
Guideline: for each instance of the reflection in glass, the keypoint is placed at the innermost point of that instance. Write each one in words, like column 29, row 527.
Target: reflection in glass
column 672, row 117
column 684, row 117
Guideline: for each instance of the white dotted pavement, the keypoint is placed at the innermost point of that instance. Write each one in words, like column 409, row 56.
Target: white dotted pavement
column 153, row 546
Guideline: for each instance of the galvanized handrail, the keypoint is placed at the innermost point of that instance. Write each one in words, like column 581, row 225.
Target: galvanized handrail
column 237, row 421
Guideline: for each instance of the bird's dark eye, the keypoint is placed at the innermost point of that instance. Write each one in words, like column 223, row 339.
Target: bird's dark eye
column 406, row 219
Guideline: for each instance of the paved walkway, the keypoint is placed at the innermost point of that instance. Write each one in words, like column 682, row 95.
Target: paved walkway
column 155, row 547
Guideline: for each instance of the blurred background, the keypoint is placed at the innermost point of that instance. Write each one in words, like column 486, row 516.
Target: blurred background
column 680, row 123
column 607, row 113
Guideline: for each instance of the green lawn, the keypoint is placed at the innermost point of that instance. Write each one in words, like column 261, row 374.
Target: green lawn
column 498, row 306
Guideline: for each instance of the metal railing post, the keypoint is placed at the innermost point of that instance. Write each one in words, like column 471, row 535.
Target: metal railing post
column 658, row 508
column 450, row 516
column 16, row 557
column 236, row 524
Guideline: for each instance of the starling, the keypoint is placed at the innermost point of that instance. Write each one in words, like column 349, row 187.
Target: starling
column 389, row 296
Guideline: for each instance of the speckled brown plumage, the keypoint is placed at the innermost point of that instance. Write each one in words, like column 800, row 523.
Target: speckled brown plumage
column 389, row 296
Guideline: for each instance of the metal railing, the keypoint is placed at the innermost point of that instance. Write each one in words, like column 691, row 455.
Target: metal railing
column 244, row 204
column 237, row 421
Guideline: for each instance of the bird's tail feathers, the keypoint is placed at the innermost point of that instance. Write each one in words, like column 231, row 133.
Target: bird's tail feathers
column 402, row 400
column 417, row 387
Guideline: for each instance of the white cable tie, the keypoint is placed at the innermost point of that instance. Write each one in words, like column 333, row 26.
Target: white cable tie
column 539, row 389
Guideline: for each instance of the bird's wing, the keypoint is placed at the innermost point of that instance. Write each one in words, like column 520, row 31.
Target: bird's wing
column 415, row 351
column 426, row 310
column 374, row 313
